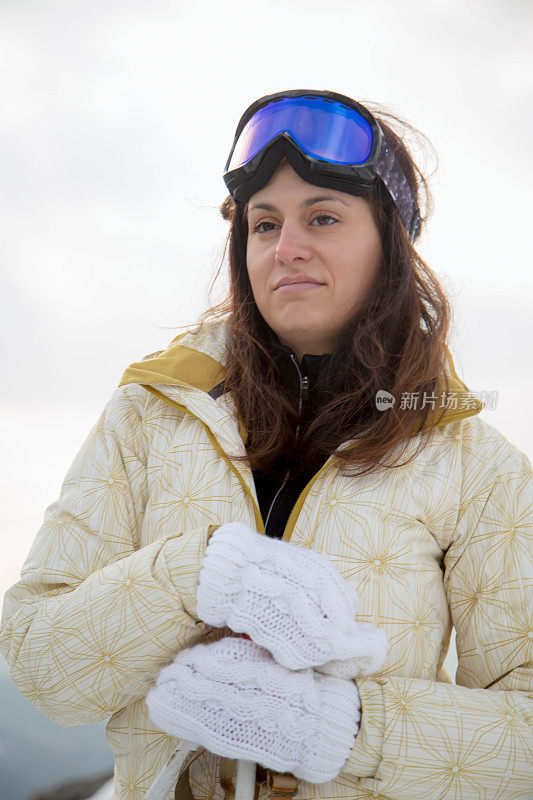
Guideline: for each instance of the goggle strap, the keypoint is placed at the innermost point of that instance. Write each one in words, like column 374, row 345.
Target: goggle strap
column 389, row 170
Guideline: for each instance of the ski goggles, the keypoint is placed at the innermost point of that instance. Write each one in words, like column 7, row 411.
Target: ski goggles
column 330, row 140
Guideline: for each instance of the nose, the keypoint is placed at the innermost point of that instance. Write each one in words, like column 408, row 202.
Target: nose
column 292, row 244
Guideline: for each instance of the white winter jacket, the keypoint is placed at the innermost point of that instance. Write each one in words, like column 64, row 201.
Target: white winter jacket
column 107, row 592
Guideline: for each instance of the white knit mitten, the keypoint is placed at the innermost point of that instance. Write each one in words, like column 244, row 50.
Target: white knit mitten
column 288, row 599
column 233, row 698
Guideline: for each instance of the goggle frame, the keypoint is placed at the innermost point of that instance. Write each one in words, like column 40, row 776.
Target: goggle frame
column 357, row 179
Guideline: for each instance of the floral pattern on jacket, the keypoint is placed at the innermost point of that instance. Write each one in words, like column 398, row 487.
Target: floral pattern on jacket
column 107, row 593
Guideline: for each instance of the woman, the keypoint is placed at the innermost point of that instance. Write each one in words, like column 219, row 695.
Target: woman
column 329, row 417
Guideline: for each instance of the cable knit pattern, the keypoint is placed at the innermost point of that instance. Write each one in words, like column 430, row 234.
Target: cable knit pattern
column 287, row 599
column 232, row 697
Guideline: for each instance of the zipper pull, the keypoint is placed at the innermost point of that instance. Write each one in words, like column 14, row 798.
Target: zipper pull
column 304, row 384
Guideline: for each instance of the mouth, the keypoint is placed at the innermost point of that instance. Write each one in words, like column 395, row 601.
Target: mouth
column 298, row 286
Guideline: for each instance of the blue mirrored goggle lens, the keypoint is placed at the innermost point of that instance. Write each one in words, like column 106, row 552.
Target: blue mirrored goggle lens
column 323, row 129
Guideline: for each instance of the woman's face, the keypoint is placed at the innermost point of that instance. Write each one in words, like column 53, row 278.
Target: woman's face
column 296, row 228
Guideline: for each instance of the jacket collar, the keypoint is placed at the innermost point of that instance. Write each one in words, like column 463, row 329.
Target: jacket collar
column 196, row 361
column 308, row 360
column 310, row 365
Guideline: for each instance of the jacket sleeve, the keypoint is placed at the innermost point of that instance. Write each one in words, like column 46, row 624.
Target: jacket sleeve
column 474, row 739
column 94, row 615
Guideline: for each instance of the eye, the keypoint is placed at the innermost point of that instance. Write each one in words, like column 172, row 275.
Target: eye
column 324, row 216
column 256, row 228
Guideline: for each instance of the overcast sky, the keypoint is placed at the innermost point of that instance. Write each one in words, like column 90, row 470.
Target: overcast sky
column 116, row 119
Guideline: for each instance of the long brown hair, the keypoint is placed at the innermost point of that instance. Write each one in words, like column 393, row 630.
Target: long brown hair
column 396, row 341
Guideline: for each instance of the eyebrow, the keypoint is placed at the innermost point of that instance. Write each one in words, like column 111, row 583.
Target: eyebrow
column 310, row 202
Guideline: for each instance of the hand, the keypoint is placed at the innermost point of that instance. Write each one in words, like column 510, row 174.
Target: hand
column 287, row 599
column 233, row 698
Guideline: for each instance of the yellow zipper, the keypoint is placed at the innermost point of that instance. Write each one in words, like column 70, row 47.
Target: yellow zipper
column 293, row 516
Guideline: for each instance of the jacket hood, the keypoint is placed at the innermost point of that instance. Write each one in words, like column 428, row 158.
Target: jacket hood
column 196, row 360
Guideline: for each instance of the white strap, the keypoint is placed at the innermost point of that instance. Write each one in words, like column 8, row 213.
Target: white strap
column 245, row 784
column 167, row 778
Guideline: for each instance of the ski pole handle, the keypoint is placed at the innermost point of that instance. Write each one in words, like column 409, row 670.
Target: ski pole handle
column 246, row 771
column 245, row 782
